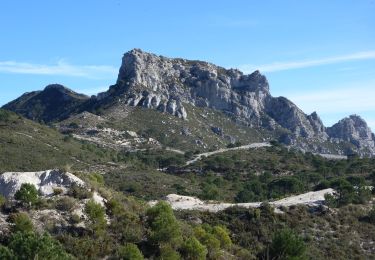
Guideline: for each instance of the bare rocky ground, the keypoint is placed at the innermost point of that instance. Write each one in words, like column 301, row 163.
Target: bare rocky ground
column 178, row 202
column 223, row 150
column 52, row 185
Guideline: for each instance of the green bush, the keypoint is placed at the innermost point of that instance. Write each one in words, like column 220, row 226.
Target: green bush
column 163, row 224
column 29, row 245
column 97, row 178
column 3, row 200
column 75, row 219
column 222, row 235
column 65, row 204
column 27, row 193
column 21, row 222
column 192, row 249
column 168, row 253
column 287, row 245
column 4, row 115
column 79, row 192
column 6, row 253
column 130, row 252
column 96, row 214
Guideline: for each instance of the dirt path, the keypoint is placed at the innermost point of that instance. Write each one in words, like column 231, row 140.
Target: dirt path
column 222, row 150
column 178, row 202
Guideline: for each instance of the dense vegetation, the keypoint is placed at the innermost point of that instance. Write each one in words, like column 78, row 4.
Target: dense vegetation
column 242, row 176
column 127, row 228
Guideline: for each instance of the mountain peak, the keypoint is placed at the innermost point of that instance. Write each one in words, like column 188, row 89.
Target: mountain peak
column 153, row 81
column 56, row 86
column 54, row 102
column 355, row 130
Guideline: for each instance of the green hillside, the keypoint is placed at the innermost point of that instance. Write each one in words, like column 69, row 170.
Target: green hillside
column 28, row 146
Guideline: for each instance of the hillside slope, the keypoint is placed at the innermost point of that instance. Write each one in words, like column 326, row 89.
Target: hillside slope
column 27, row 146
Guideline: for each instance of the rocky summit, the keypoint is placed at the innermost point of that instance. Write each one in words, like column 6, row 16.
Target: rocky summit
column 166, row 84
column 171, row 85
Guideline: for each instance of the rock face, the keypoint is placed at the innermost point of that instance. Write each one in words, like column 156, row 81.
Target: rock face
column 44, row 181
column 55, row 102
column 167, row 84
column 354, row 129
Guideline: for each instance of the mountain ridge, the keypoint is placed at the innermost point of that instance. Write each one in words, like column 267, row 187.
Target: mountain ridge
column 168, row 85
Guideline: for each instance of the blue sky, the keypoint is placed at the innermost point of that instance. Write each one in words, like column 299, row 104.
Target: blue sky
column 320, row 54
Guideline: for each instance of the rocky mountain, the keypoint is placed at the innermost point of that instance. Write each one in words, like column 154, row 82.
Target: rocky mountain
column 172, row 86
column 353, row 129
column 55, row 102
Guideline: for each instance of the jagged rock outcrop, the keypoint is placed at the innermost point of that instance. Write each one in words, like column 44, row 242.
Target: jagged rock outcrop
column 55, row 102
column 168, row 84
column 354, row 129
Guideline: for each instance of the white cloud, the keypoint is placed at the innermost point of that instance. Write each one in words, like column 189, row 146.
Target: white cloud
column 351, row 99
column 339, row 100
column 60, row 68
column 289, row 65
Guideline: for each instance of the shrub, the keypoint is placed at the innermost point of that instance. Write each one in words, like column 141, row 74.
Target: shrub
column 57, row 191
column 75, row 219
column 168, row 253
column 127, row 227
column 79, row 192
column 21, row 222
column 5, row 253
column 97, row 178
column 96, row 214
column 27, row 193
column 287, row 245
column 65, row 204
column 4, row 115
column 214, row 238
column 3, row 200
column 29, row 245
column 222, row 235
column 164, row 225
column 371, row 215
column 192, row 249
column 130, row 252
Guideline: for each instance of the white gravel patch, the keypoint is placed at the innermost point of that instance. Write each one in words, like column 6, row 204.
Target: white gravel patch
column 243, row 147
column 179, row 202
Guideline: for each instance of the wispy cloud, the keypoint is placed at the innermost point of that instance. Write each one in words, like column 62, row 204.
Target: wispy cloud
column 61, row 68
column 338, row 100
column 289, row 65
column 358, row 99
